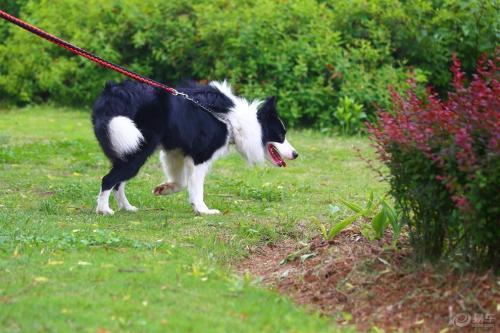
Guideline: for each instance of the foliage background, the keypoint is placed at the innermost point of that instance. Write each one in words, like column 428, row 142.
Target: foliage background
column 323, row 59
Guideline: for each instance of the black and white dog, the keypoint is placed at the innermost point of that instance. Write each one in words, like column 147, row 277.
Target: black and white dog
column 132, row 119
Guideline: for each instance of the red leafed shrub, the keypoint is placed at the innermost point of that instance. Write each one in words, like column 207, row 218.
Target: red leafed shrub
column 444, row 163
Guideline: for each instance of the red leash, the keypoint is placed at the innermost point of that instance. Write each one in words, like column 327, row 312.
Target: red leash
column 81, row 52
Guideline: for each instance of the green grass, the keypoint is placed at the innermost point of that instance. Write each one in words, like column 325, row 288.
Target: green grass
column 63, row 268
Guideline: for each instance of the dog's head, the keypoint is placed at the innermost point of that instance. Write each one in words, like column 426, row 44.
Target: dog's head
column 275, row 144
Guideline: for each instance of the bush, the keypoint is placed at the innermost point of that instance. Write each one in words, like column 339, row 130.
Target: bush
column 444, row 162
column 11, row 7
column 264, row 47
column 312, row 54
column 423, row 33
column 32, row 70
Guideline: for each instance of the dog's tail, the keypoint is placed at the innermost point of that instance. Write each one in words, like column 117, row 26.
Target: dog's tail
column 124, row 136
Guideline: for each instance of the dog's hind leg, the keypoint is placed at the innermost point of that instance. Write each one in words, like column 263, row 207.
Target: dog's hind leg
column 119, row 192
column 120, row 172
column 173, row 166
column 195, row 183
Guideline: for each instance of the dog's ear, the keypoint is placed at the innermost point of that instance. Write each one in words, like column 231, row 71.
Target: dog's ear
column 268, row 108
column 271, row 101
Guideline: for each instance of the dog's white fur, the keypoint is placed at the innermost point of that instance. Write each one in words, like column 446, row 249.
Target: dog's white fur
column 122, row 199
column 124, row 136
column 181, row 172
column 173, row 167
column 103, row 203
column 285, row 149
column 246, row 129
column 246, row 133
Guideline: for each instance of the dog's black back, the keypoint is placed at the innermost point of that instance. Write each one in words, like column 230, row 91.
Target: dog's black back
column 162, row 119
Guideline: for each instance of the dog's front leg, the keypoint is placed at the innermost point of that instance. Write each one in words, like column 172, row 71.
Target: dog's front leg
column 196, row 181
column 173, row 166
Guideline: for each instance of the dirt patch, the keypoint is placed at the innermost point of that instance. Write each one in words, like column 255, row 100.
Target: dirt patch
column 366, row 283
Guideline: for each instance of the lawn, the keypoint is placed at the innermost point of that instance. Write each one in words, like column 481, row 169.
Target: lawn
column 64, row 268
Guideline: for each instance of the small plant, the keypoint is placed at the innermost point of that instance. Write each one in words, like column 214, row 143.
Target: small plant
column 350, row 116
column 378, row 215
column 330, row 231
column 382, row 215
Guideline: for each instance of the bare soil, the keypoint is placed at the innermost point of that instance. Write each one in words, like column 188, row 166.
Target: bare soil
column 369, row 284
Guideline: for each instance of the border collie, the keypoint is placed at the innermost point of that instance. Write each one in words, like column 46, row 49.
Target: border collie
column 131, row 120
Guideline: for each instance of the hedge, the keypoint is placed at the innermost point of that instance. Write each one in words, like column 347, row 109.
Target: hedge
column 314, row 55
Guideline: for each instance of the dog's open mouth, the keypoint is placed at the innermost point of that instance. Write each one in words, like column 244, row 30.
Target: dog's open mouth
column 275, row 156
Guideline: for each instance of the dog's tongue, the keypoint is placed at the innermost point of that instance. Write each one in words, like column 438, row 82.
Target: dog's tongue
column 276, row 156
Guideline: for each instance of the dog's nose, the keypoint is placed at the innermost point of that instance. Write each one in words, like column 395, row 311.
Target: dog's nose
column 295, row 154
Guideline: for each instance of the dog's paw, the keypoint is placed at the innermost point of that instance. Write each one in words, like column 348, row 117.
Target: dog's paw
column 130, row 208
column 104, row 211
column 208, row 212
column 166, row 189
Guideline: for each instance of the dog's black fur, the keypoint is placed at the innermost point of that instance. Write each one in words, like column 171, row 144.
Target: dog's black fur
column 162, row 119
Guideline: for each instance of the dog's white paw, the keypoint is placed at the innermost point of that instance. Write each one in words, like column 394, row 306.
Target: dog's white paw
column 208, row 212
column 104, row 211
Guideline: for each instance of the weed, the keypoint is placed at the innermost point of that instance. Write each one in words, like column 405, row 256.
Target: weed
column 377, row 214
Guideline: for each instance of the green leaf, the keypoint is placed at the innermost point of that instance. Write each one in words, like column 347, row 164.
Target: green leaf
column 379, row 222
column 369, row 203
column 391, row 214
column 393, row 220
column 321, row 227
column 368, row 212
column 339, row 226
column 356, row 208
